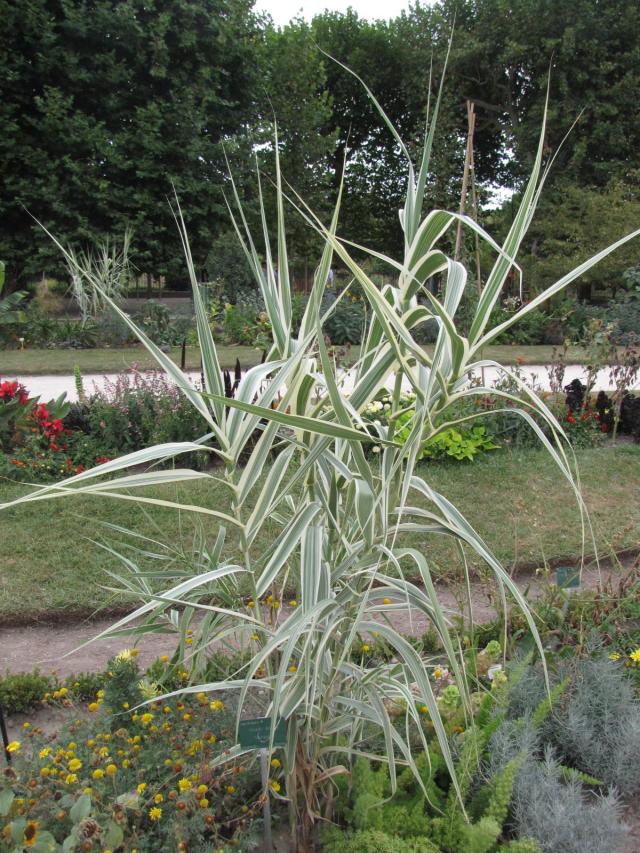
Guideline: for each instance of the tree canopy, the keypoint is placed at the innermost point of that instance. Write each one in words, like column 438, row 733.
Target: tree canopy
column 106, row 106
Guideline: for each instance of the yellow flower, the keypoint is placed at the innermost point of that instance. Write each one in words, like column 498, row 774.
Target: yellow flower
column 145, row 719
column 275, row 763
column 155, row 813
column 14, row 746
column 386, row 601
column 111, row 769
column 255, row 638
column 123, row 656
column 44, row 752
column 158, row 798
column 365, row 647
column 615, row 656
column 293, row 603
column 98, row 773
column 635, row 656
column 71, row 779
column 275, row 785
column 204, row 803
column 216, row 705
column 164, row 658
column 184, row 785
column 75, row 764
column 30, row 833
column 293, row 668
column 424, row 709
column 231, row 789
column 93, row 706
column 142, row 787
column 251, row 604
column 87, row 791
column 26, row 725
column 46, row 771
column 201, row 790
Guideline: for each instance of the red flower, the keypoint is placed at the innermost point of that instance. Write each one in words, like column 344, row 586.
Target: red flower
column 603, row 427
column 570, row 418
column 79, row 469
column 100, row 460
column 9, row 389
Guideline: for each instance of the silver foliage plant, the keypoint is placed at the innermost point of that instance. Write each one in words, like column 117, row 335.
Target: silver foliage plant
column 339, row 513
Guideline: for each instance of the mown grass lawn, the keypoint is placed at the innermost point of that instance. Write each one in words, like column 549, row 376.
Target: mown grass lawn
column 515, row 499
column 61, row 361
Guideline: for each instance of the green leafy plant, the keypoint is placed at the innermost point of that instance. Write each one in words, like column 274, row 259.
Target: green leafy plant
column 336, row 516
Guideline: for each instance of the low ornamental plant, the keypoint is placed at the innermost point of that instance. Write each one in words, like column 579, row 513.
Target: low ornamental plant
column 130, row 780
column 335, row 516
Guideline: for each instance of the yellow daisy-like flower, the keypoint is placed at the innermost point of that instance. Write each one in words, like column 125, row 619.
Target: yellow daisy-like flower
column 159, row 798
column 155, row 813
column 98, row 773
column 204, row 803
column 93, row 706
column 142, row 787
column 145, row 719
column 164, row 658
column 111, row 769
column 635, row 656
column 14, row 746
column 275, row 763
column 45, row 771
column 216, row 705
column 44, row 752
column 365, row 647
column 184, row 785
column 26, row 725
column 293, row 603
column 231, row 789
column 71, row 779
column 615, row 656
column 201, row 790
column 124, row 655
column 74, row 764
column 274, row 785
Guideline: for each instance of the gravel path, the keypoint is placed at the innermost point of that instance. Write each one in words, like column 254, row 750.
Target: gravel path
column 59, row 647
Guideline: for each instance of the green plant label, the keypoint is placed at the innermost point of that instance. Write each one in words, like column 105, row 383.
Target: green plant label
column 567, row 577
column 256, row 734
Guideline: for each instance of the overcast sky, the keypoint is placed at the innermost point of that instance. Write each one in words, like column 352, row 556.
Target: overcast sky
column 283, row 10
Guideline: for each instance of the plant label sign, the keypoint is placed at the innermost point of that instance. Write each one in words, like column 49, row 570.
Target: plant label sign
column 256, row 733
column 567, row 577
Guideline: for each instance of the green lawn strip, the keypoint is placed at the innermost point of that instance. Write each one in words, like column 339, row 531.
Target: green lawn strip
column 62, row 361
column 515, row 499
column 36, row 362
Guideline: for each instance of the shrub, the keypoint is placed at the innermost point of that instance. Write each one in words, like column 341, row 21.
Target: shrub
column 22, row 691
column 561, row 816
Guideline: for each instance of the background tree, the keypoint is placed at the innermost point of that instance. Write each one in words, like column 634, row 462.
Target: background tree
column 106, row 105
